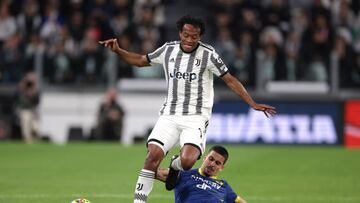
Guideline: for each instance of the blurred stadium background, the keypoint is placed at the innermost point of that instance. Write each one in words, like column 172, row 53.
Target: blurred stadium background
column 302, row 57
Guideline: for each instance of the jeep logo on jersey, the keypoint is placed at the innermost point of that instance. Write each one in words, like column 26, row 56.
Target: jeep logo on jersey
column 183, row 75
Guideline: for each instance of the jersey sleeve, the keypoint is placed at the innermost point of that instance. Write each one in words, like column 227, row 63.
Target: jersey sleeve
column 217, row 66
column 231, row 196
column 157, row 56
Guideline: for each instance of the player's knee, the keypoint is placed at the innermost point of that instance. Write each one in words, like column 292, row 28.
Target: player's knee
column 187, row 163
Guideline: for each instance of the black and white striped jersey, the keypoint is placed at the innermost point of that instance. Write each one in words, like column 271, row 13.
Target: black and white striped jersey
column 189, row 78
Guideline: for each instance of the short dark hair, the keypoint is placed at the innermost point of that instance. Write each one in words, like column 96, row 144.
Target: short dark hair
column 196, row 22
column 220, row 150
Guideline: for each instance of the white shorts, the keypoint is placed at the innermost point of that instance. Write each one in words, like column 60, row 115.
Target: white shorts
column 171, row 130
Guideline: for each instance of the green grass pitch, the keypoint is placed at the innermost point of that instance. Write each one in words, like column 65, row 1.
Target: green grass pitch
column 106, row 173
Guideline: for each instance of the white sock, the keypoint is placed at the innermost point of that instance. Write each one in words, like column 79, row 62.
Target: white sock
column 176, row 164
column 144, row 186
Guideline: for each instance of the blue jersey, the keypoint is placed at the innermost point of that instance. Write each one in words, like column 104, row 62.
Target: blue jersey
column 193, row 187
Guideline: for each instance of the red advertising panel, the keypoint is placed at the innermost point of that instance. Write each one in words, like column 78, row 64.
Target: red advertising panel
column 352, row 124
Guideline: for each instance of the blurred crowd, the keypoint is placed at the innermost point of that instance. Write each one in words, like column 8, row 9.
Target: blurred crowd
column 289, row 40
column 280, row 40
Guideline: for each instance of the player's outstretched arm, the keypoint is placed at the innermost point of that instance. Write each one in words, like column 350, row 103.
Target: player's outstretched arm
column 130, row 57
column 236, row 86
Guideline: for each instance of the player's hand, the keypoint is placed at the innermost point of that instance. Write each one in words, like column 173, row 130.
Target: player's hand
column 268, row 110
column 110, row 43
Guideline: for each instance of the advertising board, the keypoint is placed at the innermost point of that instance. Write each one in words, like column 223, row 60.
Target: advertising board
column 294, row 123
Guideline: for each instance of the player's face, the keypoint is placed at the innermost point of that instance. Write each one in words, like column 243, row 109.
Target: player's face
column 212, row 164
column 189, row 37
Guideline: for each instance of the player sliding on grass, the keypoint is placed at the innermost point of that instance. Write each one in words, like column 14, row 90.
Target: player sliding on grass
column 189, row 67
column 202, row 185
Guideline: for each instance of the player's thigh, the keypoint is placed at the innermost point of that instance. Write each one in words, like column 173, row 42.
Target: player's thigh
column 194, row 132
column 165, row 134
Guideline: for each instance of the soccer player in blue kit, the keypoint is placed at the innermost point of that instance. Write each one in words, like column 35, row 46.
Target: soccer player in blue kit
column 202, row 185
column 189, row 67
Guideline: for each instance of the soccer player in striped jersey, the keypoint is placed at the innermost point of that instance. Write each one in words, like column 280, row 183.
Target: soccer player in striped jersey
column 189, row 67
column 202, row 185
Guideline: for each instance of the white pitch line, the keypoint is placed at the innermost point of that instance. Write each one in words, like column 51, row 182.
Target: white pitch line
column 43, row 196
column 170, row 196
column 307, row 198
column 122, row 196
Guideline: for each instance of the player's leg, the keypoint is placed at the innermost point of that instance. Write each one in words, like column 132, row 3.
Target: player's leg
column 162, row 138
column 146, row 177
column 189, row 154
column 192, row 142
